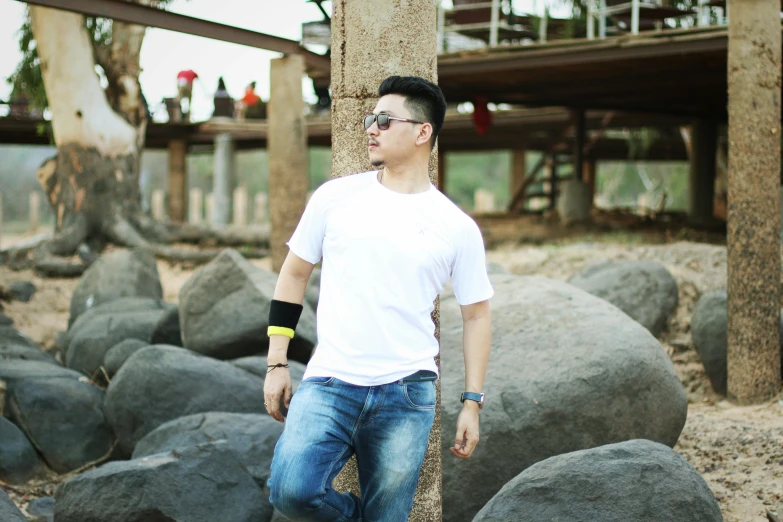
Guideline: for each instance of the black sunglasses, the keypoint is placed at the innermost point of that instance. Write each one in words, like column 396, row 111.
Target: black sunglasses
column 383, row 120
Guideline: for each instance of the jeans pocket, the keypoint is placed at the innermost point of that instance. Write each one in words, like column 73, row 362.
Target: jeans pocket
column 318, row 380
column 420, row 395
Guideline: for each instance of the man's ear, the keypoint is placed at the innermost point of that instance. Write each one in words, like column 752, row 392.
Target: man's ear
column 425, row 133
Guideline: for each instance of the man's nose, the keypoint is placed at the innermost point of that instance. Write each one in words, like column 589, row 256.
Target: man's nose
column 373, row 129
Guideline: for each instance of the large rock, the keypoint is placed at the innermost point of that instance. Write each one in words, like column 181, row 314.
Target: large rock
column 709, row 328
column 18, row 460
column 645, row 290
column 258, row 365
column 17, row 370
column 5, row 320
column 629, row 481
column 41, row 509
column 205, row 483
column 168, row 330
column 119, row 353
column 90, row 342
column 15, row 345
column 224, row 311
column 62, row 417
column 313, row 289
column 161, row 383
column 567, row 371
column 123, row 273
column 8, row 510
column 252, row 437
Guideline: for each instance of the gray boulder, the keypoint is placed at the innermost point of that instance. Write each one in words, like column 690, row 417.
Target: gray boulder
column 258, row 365
column 168, row 330
column 18, row 460
column 123, row 273
column 119, row 353
column 224, row 311
column 93, row 338
column 313, row 289
column 634, row 480
column 567, row 371
column 15, row 345
column 709, row 329
column 13, row 371
column 204, row 483
column 162, row 383
column 8, row 510
column 645, row 290
column 22, row 291
column 252, row 437
column 5, row 320
column 62, row 417
column 495, row 268
column 41, row 509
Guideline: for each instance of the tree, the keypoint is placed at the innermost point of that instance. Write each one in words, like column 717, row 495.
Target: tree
column 93, row 181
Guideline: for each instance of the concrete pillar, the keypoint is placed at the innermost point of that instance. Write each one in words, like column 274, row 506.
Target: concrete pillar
column 35, row 211
column 574, row 201
column 196, row 206
column 223, row 180
column 483, row 201
column 240, row 206
column 754, row 78
column 158, row 204
column 580, row 130
column 209, row 206
column 365, row 59
column 518, row 170
column 701, row 186
column 177, row 180
column 260, row 212
column 287, row 153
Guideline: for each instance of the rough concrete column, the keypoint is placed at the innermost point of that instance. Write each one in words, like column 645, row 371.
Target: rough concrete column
column 177, row 180
column 223, row 180
column 372, row 40
column 701, row 186
column 518, row 170
column 287, row 154
column 754, row 78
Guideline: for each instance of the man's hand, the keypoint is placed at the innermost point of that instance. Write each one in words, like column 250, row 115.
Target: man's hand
column 467, row 431
column 277, row 386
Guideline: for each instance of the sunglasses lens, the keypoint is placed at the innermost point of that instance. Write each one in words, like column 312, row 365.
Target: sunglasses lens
column 383, row 121
column 368, row 121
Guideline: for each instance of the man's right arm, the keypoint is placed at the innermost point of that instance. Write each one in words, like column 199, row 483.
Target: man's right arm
column 291, row 285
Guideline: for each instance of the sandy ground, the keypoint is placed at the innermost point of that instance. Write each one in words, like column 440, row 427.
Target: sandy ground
column 737, row 449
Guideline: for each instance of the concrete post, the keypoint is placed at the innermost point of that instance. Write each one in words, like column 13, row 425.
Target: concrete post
column 240, row 206
column 195, row 206
column 518, row 170
column 260, row 212
column 364, row 60
column 158, row 204
column 35, row 211
column 209, row 205
column 287, row 153
column 701, row 187
column 442, row 171
column 223, row 180
column 754, row 78
column 177, row 180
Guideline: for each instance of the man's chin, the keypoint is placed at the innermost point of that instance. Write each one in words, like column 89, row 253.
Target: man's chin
column 376, row 162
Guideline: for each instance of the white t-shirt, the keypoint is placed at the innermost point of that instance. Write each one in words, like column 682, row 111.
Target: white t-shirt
column 386, row 256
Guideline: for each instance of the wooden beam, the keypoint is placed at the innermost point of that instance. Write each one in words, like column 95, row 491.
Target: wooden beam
column 152, row 17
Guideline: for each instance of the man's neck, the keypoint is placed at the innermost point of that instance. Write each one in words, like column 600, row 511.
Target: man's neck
column 407, row 179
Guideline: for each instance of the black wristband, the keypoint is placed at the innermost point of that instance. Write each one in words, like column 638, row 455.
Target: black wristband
column 284, row 314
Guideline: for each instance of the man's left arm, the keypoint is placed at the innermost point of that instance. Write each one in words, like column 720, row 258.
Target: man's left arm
column 476, row 340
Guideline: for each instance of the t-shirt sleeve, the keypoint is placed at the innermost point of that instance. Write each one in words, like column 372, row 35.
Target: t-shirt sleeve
column 308, row 238
column 469, row 275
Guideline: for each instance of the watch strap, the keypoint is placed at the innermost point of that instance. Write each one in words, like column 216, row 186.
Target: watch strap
column 470, row 396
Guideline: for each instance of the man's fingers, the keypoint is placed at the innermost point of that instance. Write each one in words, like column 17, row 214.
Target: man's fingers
column 288, row 394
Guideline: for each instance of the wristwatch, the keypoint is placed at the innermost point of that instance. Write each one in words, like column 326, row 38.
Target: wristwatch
column 470, row 396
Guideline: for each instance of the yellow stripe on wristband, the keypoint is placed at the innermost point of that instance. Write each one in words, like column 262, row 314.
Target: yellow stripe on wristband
column 280, row 330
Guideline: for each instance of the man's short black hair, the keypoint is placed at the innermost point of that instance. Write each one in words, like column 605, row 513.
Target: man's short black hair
column 423, row 98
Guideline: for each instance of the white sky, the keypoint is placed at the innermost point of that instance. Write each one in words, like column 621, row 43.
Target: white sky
column 165, row 53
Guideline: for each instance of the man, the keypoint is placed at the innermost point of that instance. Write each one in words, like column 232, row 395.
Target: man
column 389, row 241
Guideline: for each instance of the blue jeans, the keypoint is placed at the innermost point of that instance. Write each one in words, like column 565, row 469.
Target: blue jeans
column 386, row 426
